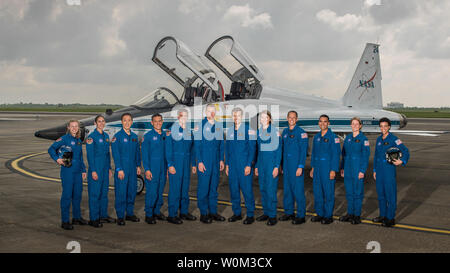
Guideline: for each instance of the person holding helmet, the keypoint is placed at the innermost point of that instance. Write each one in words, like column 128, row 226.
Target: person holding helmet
column 71, row 176
column 385, row 173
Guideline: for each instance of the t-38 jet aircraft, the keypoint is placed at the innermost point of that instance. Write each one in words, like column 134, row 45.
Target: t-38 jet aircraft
column 201, row 86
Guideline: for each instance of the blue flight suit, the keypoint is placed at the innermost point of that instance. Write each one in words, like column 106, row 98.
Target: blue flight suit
column 180, row 155
column 240, row 147
column 154, row 160
column 71, row 178
column 386, row 181
column 127, row 157
column 295, row 147
column 325, row 157
column 209, row 150
column 98, row 155
column 269, row 157
column 355, row 159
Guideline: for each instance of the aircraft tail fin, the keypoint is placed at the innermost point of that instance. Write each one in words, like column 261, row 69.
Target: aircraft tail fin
column 364, row 90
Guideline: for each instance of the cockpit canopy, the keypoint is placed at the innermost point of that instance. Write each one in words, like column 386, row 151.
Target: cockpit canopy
column 189, row 69
column 229, row 56
column 161, row 98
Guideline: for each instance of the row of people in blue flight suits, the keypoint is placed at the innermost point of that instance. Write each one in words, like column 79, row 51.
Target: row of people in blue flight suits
column 243, row 152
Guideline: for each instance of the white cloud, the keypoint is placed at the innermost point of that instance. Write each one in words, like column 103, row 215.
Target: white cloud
column 345, row 22
column 248, row 17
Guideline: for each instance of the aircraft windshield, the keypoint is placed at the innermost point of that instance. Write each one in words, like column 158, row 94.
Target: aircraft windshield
column 159, row 98
column 229, row 56
column 183, row 64
column 236, row 64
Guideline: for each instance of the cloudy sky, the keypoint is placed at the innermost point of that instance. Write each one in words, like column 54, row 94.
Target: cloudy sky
column 99, row 51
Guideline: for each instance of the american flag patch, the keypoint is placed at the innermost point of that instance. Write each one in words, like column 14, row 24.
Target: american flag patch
column 336, row 140
column 304, row 135
column 366, row 143
column 252, row 132
column 398, row 142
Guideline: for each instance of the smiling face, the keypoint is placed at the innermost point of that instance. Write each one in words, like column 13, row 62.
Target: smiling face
column 100, row 123
column 384, row 127
column 182, row 118
column 356, row 126
column 127, row 121
column 210, row 112
column 292, row 119
column 237, row 117
column 264, row 119
column 324, row 123
column 73, row 127
column 157, row 123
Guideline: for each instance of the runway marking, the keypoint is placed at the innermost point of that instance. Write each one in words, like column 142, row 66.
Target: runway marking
column 15, row 165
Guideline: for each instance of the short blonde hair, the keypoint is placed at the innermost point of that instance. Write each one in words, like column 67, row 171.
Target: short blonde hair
column 357, row 119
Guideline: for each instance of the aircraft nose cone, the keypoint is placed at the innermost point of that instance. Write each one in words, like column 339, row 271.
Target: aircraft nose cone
column 52, row 133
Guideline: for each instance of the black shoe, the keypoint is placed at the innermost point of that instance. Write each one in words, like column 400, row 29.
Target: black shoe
column 160, row 217
column 66, row 226
column 205, row 219
column 132, row 218
column 286, row 217
column 326, row 221
column 388, row 223
column 235, row 218
column 316, row 218
column 346, row 218
column 95, row 224
column 217, row 217
column 174, row 220
column 121, row 222
column 150, row 220
column 379, row 219
column 79, row 221
column 262, row 218
column 188, row 217
column 356, row 220
column 249, row 220
column 272, row 221
column 107, row 220
column 298, row 221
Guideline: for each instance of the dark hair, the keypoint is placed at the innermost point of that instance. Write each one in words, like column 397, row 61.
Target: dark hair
column 268, row 114
column 97, row 117
column 292, row 111
column 156, row 115
column 126, row 114
column 324, row 116
column 385, row 120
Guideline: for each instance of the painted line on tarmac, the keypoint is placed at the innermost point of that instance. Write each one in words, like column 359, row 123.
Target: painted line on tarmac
column 16, row 165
